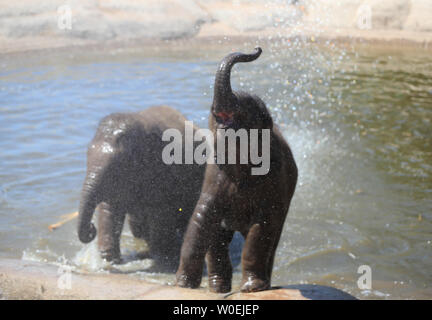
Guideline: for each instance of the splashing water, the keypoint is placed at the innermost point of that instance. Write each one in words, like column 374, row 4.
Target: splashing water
column 358, row 122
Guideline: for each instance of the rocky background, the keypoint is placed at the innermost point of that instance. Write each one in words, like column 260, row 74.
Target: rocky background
column 32, row 24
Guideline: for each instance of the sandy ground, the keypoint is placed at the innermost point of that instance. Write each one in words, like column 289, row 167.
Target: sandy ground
column 30, row 24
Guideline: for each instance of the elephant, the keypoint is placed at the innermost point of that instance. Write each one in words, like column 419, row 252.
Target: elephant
column 233, row 199
column 126, row 175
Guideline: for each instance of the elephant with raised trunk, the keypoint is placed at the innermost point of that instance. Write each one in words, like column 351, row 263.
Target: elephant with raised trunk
column 234, row 199
column 126, row 175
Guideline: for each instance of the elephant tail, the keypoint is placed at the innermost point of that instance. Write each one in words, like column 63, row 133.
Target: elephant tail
column 222, row 87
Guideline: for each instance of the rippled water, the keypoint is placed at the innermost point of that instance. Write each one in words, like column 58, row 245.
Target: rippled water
column 358, row 121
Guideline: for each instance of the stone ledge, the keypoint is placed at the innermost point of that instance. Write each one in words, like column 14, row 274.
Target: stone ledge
column 28, row 280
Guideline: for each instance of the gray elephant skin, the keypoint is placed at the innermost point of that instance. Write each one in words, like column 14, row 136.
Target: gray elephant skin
column 126, row 176
column 233, row 199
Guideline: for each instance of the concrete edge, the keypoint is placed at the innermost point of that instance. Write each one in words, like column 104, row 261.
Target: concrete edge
column 28, row 280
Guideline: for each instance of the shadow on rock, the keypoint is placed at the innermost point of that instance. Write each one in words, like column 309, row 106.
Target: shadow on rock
column 317, row 292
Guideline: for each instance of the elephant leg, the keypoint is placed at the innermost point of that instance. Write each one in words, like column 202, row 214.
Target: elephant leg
column 277, row 236
column 258, row 255
column 138, row 228
column 164, row 246
column 110, row 222
column 219, row 263
column 195, row 245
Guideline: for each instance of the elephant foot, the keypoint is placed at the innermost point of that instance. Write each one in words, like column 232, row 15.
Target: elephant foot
column 219, row 284
column 185, row 281
column 254, row 284
column 111, row 257
column 143, row 255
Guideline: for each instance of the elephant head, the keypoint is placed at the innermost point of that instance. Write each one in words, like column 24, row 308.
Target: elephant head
column 235, row 109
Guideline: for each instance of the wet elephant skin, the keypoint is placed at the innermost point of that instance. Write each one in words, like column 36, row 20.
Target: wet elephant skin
column 127, row 177
column 232, row 199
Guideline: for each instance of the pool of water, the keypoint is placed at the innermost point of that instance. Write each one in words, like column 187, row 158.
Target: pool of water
column 358, row 121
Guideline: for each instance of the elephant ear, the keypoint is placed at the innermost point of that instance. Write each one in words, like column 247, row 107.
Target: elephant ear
column 265, row 118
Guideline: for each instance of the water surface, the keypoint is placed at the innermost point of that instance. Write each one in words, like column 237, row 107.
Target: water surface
column 358, row 121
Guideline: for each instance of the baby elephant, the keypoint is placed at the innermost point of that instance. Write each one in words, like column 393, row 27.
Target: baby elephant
column 127, row 176
column 233, row 198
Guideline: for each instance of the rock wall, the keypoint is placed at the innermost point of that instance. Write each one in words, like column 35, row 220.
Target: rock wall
column 28, row 24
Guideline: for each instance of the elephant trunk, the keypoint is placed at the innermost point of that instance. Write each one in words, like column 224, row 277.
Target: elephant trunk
column 224, row 98
column 88, row 203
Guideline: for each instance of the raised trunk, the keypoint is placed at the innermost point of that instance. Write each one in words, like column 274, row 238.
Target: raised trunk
column 224, row 99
